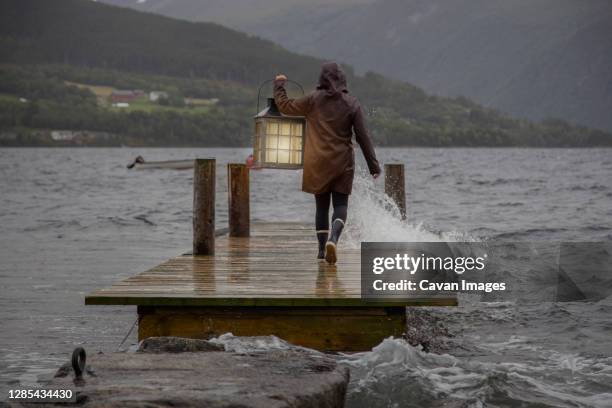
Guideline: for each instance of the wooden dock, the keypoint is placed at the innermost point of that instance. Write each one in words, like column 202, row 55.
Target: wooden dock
column 261, row 279
column 268, row 283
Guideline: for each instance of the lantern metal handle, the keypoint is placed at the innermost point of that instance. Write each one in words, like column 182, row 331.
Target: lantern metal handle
column 271, row 80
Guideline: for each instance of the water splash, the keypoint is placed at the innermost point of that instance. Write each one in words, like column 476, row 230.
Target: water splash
column 250, row 344
column 374, row 217
column 395, row 371
column 424, row 377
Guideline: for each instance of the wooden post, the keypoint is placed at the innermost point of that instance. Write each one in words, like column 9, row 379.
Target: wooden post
column 395, row 186
column 238, row 199
column 204, row 207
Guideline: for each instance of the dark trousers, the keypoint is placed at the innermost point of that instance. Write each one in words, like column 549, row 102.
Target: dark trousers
column 340, row 203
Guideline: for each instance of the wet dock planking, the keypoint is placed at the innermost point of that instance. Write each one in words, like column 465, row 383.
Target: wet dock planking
column 267, row 284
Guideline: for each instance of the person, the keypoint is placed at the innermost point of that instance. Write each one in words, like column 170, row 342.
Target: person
column 332, row 115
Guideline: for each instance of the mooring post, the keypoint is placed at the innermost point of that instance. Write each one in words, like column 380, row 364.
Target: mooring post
column 238, row 199
column 204, row 207
column 395, row 186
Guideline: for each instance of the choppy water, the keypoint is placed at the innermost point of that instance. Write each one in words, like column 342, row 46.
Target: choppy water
column 74, row 220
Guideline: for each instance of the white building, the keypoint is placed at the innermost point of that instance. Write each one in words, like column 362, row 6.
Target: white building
column 62, row 135
column 155, row 95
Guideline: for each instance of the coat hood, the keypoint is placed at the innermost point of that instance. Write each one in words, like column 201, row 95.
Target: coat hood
column 332, row 79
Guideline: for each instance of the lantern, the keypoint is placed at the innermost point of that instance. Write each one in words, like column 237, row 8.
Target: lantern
column 279, row 139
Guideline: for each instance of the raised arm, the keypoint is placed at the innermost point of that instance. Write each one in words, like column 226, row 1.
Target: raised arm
column 365, row 142
column 288, row 106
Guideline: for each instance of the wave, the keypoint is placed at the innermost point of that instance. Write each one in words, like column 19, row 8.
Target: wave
column 374, row 217
column 500, row 181
column 46, row 225
column 395, row 373
column 592, row 187
column 411, row 377
column 529, row 233
column 510, row 204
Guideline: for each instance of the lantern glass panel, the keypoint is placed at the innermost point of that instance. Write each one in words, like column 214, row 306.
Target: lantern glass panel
column 271, row 142
column 283, row 156
column 297, row 129
column 272, row 127
column 285, row 128
column 271, row 155
column 284, row 142
column 296, row 157
column 278, row 141
column 296, row 143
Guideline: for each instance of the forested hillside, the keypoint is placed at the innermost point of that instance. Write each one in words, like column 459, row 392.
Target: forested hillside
column 531, row 58
column 58, row 56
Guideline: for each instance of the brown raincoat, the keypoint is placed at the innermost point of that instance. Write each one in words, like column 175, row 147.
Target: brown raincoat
column 331, row 117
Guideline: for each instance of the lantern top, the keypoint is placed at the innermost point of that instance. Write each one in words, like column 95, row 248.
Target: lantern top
column 271, row 111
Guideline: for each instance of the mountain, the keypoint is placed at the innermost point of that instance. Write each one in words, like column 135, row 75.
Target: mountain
column 58, row 57
column 234, row 13
column 531, row 58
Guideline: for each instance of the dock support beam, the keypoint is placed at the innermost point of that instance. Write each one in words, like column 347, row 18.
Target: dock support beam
column 395, row 186
column 238, row 199
column 204, row 207
column 321, row 328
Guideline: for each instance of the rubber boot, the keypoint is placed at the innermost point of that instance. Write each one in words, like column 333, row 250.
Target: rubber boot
column 330, row 247
column 322, row 238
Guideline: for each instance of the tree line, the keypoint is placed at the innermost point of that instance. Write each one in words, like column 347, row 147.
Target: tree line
column 44, row 44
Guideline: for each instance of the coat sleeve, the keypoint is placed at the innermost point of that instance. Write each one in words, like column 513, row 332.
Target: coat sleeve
column 365, row 142
column 288, row 106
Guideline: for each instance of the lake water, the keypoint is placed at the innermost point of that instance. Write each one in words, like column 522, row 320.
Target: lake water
column 75, row 220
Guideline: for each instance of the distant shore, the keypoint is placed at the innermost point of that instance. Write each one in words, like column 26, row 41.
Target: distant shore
column 64, row 146
column 86, row 138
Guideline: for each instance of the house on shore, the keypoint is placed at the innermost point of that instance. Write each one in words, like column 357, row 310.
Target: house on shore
column 154, row 96
column 125, row 96
column 63, row 135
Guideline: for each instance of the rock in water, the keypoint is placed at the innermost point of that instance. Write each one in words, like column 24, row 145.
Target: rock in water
column 276, row 378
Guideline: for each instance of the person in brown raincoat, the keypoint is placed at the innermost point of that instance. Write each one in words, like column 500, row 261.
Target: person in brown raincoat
column 332, row 115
